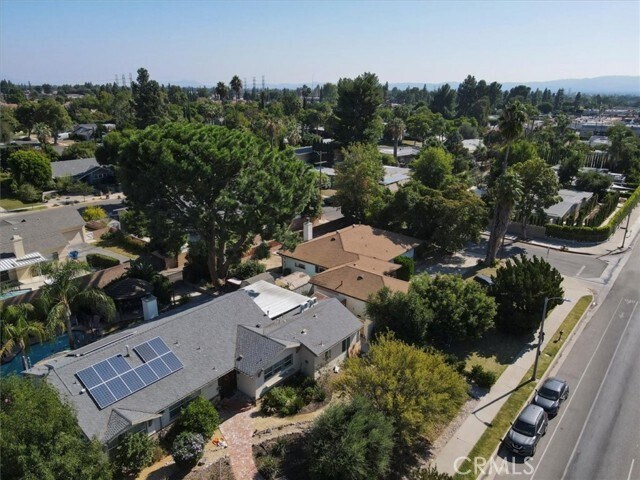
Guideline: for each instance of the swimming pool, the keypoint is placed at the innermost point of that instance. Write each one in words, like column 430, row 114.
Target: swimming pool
column 14, row 293
column 41, row 351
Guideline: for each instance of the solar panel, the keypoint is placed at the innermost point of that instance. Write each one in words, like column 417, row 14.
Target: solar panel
column 159, row 346
column 102, row 396
column 147, row 375
column 145, row 352
column 105, row 370
column 119, row 364
column 160, row 367
column 172, row 362
column 133, row 381
column 118, row 388
column 113, row 379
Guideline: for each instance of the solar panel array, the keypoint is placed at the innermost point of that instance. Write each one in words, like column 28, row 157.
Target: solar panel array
column 113, row 379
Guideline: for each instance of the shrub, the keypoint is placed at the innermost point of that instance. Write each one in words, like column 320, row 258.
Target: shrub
column 262, row 251
column 162, row 289
column 281, row 401
column 269, row 467
column 199, row 417
column 135, row 452
column 408, row 266
column 100, row 261
column 247, row 269
column 481, row 377
column 93, row 213
column 279, row 448
column 187, row 449
column 428, row 473
column 27, row 193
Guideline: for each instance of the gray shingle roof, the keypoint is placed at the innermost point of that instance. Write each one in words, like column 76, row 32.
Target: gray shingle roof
column 41, row 231
column 203, row 338
column 318, row 328
column 254, row 351
column 73, row 167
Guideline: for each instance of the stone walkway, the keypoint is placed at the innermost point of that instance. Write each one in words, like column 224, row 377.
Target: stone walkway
column 238, row 431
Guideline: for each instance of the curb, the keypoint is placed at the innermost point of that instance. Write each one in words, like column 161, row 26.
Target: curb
column 570, row 338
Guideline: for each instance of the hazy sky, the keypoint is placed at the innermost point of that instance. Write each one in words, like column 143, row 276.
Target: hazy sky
column 310, row 41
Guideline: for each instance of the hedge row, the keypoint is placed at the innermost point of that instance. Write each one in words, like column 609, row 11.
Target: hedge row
column 99, row 261
column 594, row 234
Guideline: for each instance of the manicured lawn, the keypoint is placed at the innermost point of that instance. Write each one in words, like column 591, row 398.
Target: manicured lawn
column 14, row 203
column 492, row 436
column 495, row 351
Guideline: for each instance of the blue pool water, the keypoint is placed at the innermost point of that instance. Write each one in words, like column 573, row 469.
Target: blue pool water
column 14, row 293
column 41, row 351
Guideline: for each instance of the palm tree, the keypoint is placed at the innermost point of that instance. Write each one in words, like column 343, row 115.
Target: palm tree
column 273, row 127
column 42, row 131
column 236, row 86
column 222, row 91
column 506, row 191
column 18, row 326
column 396, row 129
column 65, row 295
column 511, row 126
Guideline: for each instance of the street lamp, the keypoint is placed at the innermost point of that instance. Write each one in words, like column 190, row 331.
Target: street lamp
column 541, row 333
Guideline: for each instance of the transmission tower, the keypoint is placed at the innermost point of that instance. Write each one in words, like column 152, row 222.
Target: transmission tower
column 130, row 80
column 123, row 83
column 262, row 82
column 116, row 80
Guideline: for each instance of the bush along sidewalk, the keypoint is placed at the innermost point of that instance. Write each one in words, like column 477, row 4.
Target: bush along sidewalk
column 497, row 429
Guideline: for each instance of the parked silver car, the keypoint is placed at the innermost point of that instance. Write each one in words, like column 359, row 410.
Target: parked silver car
column 527, row 430
column 551, row 394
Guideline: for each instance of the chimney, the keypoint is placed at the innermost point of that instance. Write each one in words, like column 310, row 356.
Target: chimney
column 18, row 246
column 307, row 230
column 149, row 307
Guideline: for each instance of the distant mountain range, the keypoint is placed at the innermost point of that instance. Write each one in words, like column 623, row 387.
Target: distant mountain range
column 612, row 84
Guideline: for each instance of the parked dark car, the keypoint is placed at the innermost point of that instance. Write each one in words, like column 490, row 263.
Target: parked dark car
column 551, row 394
column 527, row 430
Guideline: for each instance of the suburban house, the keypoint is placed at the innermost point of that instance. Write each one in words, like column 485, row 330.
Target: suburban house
column 568, row 206
column 393, row 176
column 357, row 243
column 30, row 238
column 353, row 284
column 86, row 170
column 406, row 154
column 139, row 379
column 84, row 131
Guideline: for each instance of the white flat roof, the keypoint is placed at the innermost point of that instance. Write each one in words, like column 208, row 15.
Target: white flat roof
column 273, row 300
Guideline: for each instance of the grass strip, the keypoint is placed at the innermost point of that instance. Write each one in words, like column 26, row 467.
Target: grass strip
column 494, row 433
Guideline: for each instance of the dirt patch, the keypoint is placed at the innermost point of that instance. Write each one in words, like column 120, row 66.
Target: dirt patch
column 291, row 456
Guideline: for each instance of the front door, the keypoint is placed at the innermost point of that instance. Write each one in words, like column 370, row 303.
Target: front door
column 228, row 384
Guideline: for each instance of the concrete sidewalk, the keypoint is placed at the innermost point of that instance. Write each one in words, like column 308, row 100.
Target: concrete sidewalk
column 468, row 434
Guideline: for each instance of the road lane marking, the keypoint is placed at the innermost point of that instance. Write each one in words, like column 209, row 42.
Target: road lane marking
column 566, row 407
column 580, row 271
column 595, row 400
column 631, row 469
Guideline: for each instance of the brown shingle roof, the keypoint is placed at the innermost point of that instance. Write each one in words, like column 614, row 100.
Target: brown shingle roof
column 351, row 244
column 357, row 283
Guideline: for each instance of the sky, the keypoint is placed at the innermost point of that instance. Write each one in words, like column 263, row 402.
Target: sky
column 203, row 42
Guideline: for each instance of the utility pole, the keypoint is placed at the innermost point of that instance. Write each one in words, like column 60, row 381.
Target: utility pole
column 626, row 231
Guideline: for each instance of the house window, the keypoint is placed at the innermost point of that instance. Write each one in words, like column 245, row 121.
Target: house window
column 320, row 269
column 4, row 276
column 299, row 265
column 345, row 344
column 278, row 367
column 327, row 355
column 176, row 408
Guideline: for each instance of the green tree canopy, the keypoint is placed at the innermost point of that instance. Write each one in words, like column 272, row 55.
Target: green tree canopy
column 148, row 102
column 8, row 124
column 40, row 437
column 350, row 441
column 539, row 189
column 417, row 390
column 54, row 115
column 226, row 185
column 519, row 288
column 433, row 167
column 79, row 150
column 357, row 180
column 199, row 417
column 444, row 101
column 595, row 182
column 358, row 101
column 133, row 453
column 32, row 167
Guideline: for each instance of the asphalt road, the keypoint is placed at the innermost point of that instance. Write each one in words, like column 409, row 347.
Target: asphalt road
column 568, row 264
column 596, row 436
